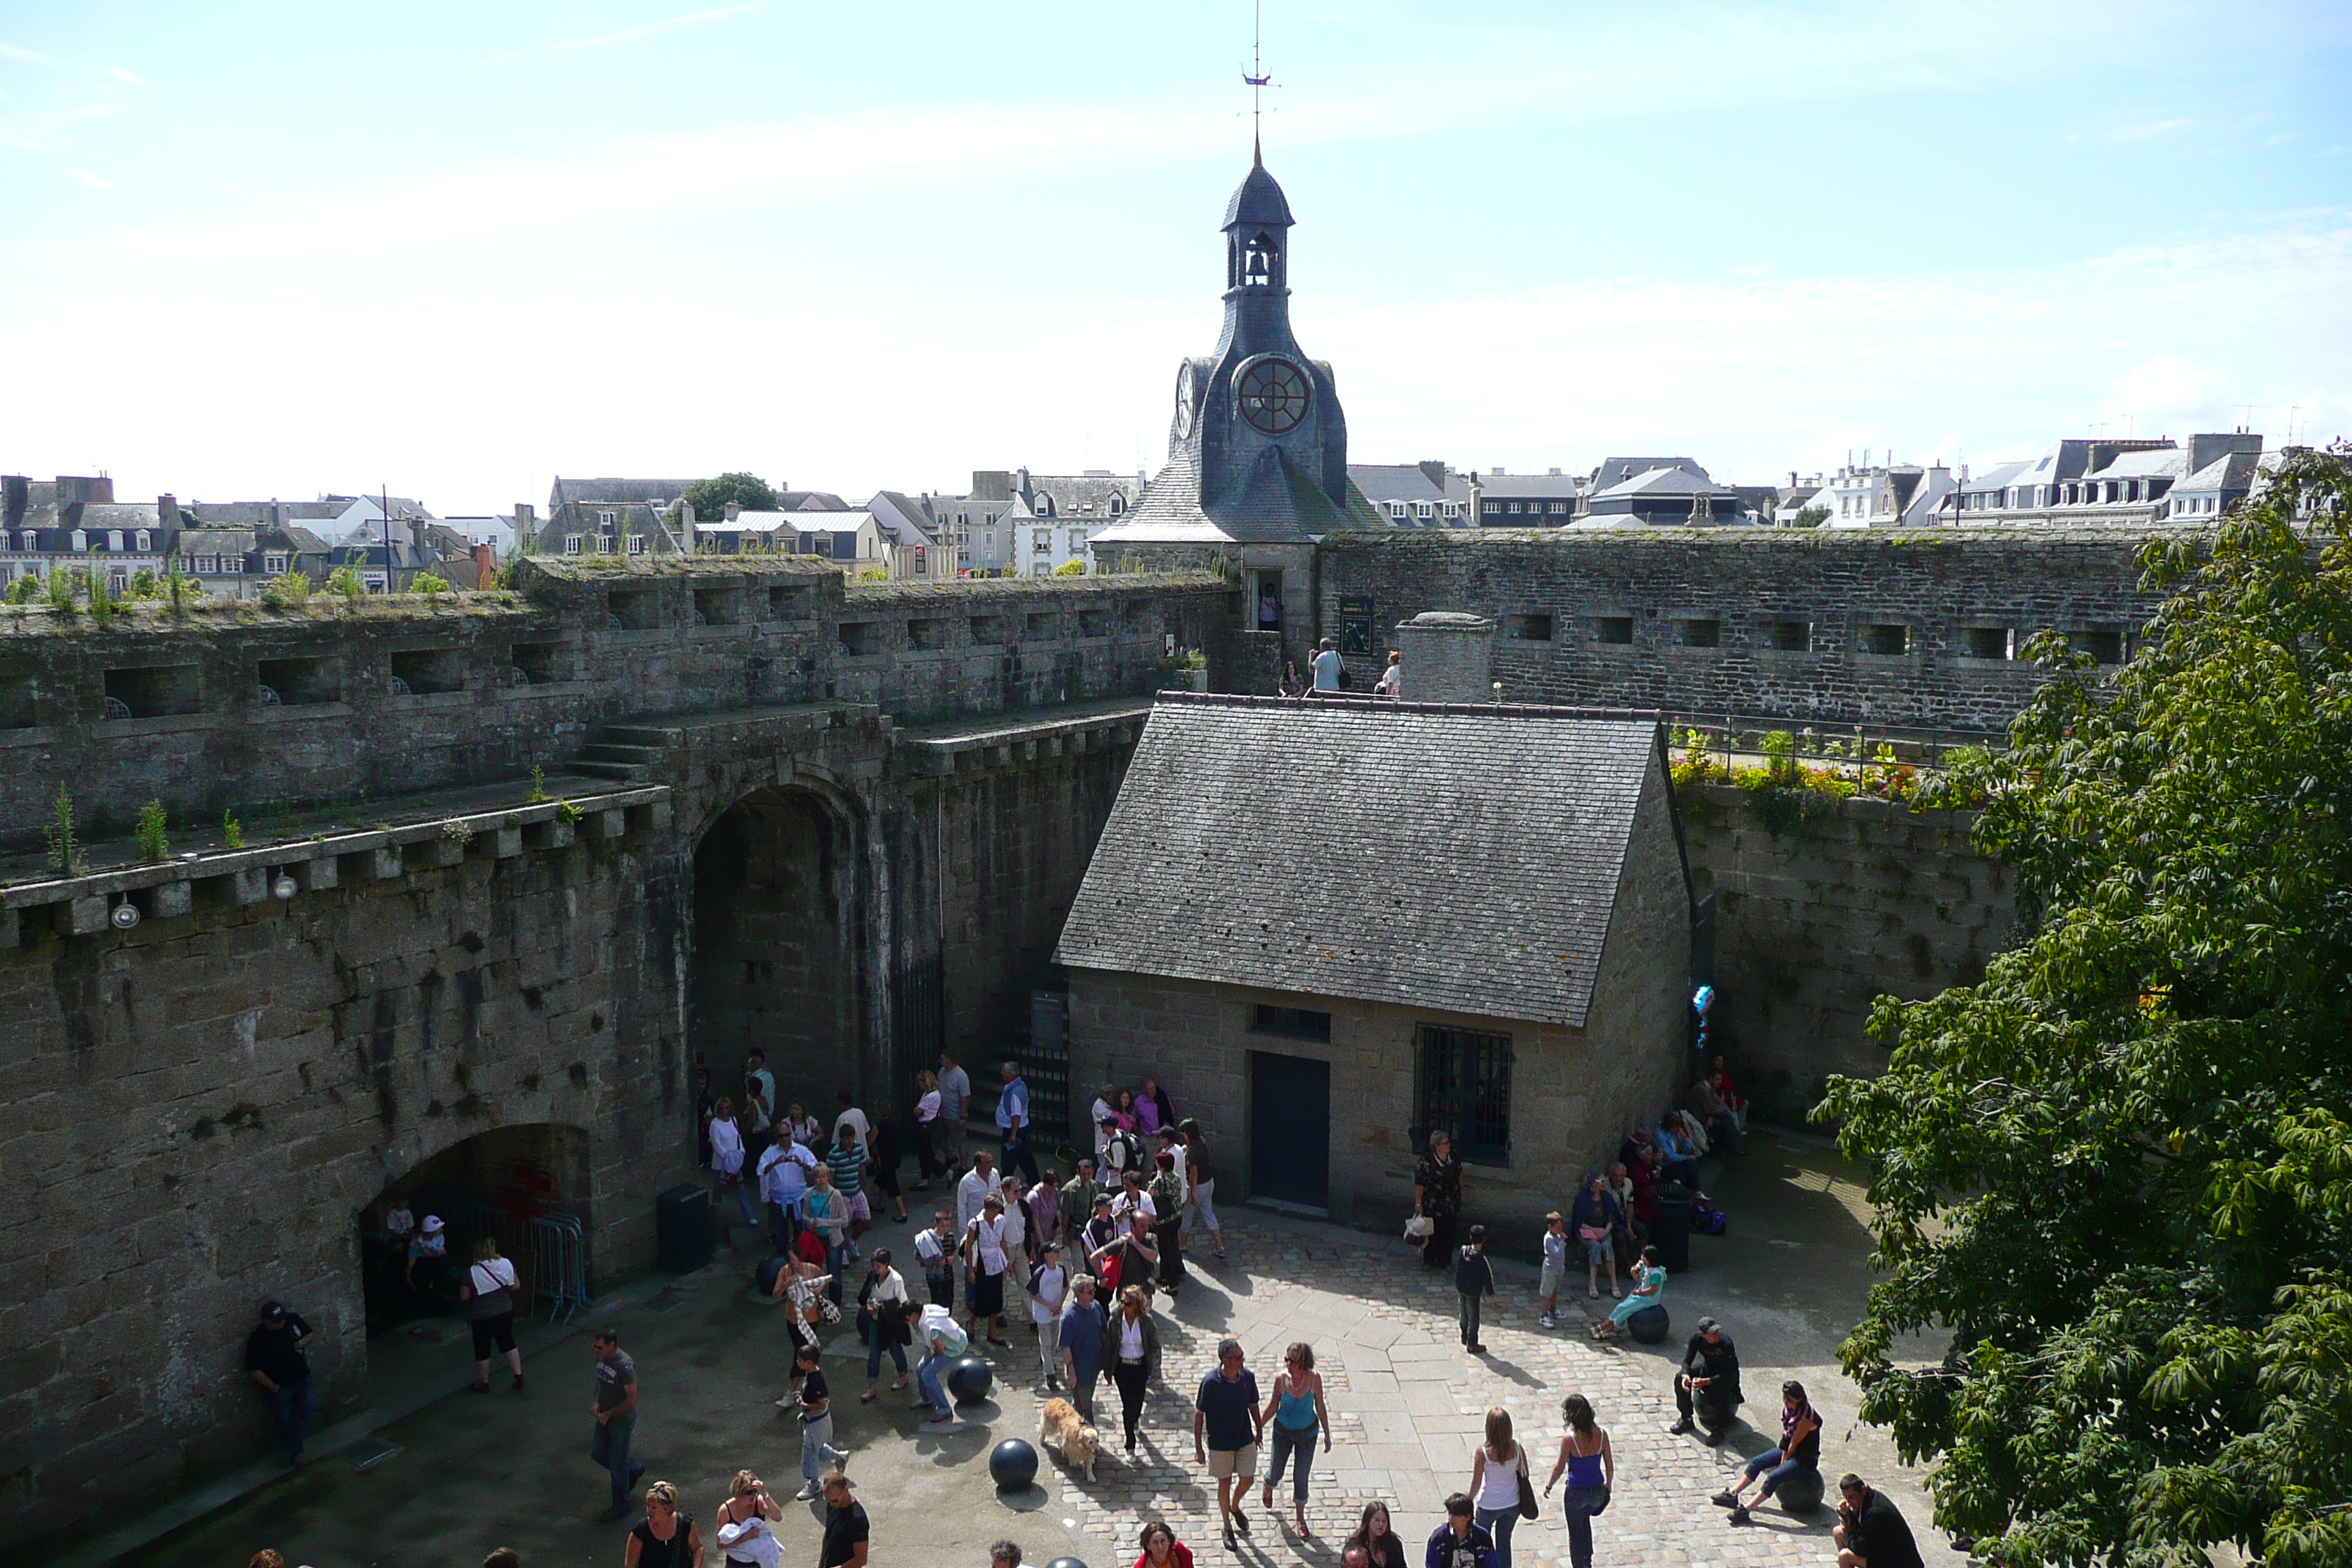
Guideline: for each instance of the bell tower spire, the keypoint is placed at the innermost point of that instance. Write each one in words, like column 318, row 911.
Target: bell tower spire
column 1258, row 80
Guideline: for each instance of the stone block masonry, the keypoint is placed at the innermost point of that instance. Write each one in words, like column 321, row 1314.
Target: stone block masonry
column 1811, row 924
column 1831, row 626
column 195, row 1112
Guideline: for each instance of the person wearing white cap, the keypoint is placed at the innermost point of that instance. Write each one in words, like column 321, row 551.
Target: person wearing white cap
column 432, row 1241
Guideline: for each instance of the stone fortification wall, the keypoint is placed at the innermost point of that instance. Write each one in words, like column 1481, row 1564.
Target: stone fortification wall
column 195, row 1112
column 1814, row 922
column 1822, row 625
column 243, row 705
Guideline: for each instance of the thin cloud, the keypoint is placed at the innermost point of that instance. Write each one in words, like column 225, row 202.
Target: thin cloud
column 95, row 182
column 28, row 56
column 626, row 35
column 2148, row 131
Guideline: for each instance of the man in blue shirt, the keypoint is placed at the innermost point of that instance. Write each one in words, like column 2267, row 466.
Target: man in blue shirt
column 1012, row 1123
column 1227, row 1407
column 1327, row 667
column 1082, row 1338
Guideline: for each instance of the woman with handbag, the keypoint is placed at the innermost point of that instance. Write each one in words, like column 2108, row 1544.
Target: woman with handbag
column 1597, row 1219
column 1499, row 1486
column 1591, row 1471
column 882, row 1303
column 490, row 1303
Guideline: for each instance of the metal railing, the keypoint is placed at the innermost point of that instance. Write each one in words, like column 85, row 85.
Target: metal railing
column 1732, row 739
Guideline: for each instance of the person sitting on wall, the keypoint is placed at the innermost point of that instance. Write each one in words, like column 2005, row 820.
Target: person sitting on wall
column 1720, row 1082
column 1708, row 1107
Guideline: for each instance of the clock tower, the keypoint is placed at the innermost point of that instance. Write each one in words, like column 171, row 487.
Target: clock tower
column 1257, row 450
column 1257, row 443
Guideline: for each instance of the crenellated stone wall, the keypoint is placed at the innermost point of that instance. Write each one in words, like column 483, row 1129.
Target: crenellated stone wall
column 1833, row 626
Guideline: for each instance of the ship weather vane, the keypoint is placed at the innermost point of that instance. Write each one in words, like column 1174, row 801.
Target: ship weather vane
column 1258, row 78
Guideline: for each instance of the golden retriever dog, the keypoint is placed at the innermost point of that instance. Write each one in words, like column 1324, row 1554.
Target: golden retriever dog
column 1064, row 1429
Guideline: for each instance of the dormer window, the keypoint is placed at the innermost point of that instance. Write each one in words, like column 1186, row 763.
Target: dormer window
column 114, row 539
column 1258, row 263
column 142, row 537
column 80, row 539
column 1117, row 505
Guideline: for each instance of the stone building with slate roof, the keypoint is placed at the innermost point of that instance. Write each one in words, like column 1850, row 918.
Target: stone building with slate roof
column 1327, row 925
column 1257, row 447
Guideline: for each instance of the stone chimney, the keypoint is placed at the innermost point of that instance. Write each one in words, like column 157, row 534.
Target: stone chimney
column 167, row 511
column 734, row 510
column 1448, row 657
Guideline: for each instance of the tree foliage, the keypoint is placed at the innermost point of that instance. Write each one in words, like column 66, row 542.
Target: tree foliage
column 2118, row 1171
column 750, row 492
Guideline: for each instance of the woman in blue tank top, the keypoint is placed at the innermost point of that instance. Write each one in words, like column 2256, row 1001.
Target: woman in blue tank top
column 1591, row 1471
column 1294, row 1414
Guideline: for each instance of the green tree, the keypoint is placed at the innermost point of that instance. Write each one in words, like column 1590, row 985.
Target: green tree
column 750, row 492
column 1071, row 568
column 429, row 585
column 1810, row 517
column 2118, row 1170
column 27, row 589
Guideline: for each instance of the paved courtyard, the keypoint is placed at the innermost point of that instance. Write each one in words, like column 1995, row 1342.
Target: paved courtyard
column 1407, row 1406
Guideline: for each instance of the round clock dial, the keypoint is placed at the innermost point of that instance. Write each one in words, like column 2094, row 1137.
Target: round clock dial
column 1184, row 400
column 1274, row 394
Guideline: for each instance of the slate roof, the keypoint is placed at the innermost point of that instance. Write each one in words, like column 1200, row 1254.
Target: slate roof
column 1458, row 858
column 1664, row 482
column 1257, row 200
column 1615, row 471
column 607, row 492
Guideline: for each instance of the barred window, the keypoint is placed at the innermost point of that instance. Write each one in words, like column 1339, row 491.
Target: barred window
column 1465, row 1090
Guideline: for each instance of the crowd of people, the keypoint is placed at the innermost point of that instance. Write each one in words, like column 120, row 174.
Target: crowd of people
column 1080, row 1263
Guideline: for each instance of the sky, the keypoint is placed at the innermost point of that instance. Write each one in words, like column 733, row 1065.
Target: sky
column 454, row 249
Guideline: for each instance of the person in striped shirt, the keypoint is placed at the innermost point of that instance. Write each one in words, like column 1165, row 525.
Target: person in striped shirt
column 848, row 1161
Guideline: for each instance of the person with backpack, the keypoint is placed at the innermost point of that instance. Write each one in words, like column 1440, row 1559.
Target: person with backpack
column 1167, row 1192
column 1474, row 1281
column 1120, row 1152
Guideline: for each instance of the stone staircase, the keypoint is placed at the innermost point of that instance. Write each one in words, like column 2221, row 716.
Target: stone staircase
column 624, row 754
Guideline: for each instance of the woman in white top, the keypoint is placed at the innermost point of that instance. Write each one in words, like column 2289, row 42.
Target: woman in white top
column 984, row 1264
column 1392, row 681
column 882, row 1318
column 489, row 1294
column 806, row 1130
column 726, row 1170
column 1495, row 1483
column 926, row 1129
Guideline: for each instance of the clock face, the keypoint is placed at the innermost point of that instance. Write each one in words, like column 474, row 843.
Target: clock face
column 1273, row 393
column 1184, row 401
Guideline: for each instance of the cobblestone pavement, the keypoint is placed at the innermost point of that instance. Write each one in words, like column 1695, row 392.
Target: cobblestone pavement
column 1408, row 1405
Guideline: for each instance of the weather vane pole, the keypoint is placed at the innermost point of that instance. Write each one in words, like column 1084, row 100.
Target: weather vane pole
column 1258, row 78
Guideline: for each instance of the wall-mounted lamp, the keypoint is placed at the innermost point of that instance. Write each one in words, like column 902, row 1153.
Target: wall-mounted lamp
column 284, row 887
column 124, row 915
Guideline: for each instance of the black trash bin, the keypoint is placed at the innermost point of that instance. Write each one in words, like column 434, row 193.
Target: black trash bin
column 682, row 1229
column 1670, row 1225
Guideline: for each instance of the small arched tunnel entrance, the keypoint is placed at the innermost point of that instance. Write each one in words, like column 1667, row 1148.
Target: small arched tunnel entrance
column 526, row 1187
column 778, row 954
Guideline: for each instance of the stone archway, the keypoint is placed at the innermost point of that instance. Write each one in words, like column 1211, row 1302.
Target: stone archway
column 781, row 946
column 497, row 1183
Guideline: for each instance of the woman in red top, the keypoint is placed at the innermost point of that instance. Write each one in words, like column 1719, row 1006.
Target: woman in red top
column 1161, row 1549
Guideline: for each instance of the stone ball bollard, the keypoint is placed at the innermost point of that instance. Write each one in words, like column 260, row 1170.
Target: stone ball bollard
column 1012, row 1465
column 1650, row 1325
column 1801, row 1494
column 969, row 1379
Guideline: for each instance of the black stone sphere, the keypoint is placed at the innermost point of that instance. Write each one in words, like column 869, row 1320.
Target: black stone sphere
column 1066, row 1562
column 1801, row 1494
column 969, row 1379
column 1012, row 1465
column 1650, row 1325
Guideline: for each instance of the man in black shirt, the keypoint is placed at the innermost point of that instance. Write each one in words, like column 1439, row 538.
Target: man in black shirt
column 274, row 1359
column 1870, row 1531
column 1708, row 1384
column 845, row 1527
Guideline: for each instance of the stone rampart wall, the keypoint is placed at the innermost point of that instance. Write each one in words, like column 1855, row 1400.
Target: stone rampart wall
column 194, row 1114
column 1831, row 626
column 242, row 705
column 1812, row 923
